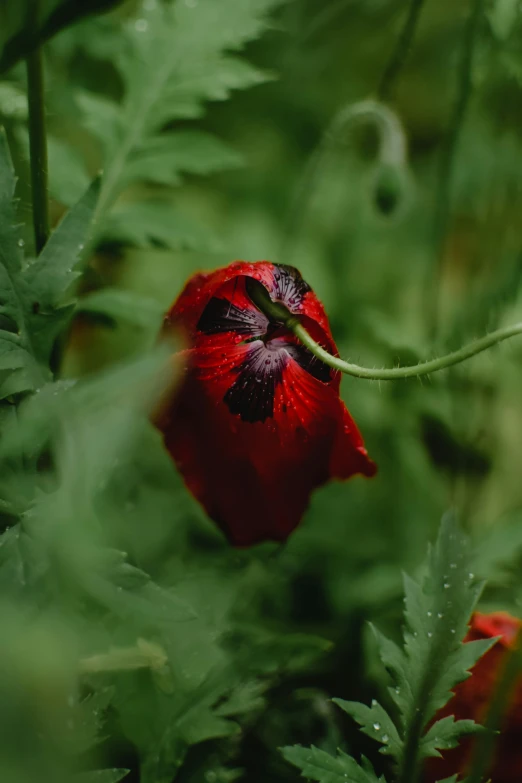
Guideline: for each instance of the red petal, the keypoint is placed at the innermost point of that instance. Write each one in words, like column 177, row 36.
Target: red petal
column 253, row 466
column 188, row 307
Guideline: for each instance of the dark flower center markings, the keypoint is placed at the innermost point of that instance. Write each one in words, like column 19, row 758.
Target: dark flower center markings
column 289, row 286
column 221, row 315
column 252, row 394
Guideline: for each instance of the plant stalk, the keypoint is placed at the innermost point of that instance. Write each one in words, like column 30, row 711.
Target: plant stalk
column 447, row 164
column 401, row 50
column 38, row 147
column 279, row 313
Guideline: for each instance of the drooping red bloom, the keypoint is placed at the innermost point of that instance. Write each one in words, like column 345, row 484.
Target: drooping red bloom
column 472, row 700
column 258, row 422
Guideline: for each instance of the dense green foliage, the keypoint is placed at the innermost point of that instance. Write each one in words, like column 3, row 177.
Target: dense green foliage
column 183, row 134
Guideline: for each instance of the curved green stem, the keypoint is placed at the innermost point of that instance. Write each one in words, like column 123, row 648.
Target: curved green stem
column 38, row 148
column 392, row 152
column 414, row 371
column 278, row 312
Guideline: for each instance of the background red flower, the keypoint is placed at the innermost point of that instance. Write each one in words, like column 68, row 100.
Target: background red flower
column 258, row 423
column 472, row 699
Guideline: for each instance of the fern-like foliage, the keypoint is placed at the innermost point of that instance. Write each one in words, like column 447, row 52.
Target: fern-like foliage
column 172, row 58
column 32, row 292
column 431, row 662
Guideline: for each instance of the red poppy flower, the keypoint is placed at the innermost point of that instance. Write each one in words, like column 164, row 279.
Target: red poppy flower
column 258, row 423
column 472, row 700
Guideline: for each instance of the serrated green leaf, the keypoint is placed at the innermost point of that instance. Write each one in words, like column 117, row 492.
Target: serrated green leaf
column 31, row 296
column 175, row 58
column 162, row 159
column 437, row 611
column 16, row 339
column 446, row 734
column 318, row 765
column 53, row 272
column 155, row 223
column 376, row 723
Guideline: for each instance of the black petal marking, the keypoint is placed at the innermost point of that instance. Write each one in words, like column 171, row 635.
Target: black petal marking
column 251, row 396
column 309, row 362
column 289, row 286
column 220, row 315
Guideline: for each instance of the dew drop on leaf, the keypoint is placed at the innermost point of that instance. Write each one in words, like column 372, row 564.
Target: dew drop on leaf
column 141, row 25
column 377, row 726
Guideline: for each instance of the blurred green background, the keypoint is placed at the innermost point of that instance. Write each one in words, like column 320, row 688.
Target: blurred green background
column 410, row 260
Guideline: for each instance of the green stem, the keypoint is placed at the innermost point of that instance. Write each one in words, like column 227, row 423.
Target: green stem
column 38, row 148
column 276, row 311
column 401, row 50
column 447, row 162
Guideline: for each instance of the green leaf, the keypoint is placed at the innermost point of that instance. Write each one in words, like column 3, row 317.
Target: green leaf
column 163, row 158
column 446, row 733
column 376, row 723
column 23, row 26
column 174, row 57
column 31, row 295
column 317, row 765
column 434, row 660
column 155, row 223
column 17, row 351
